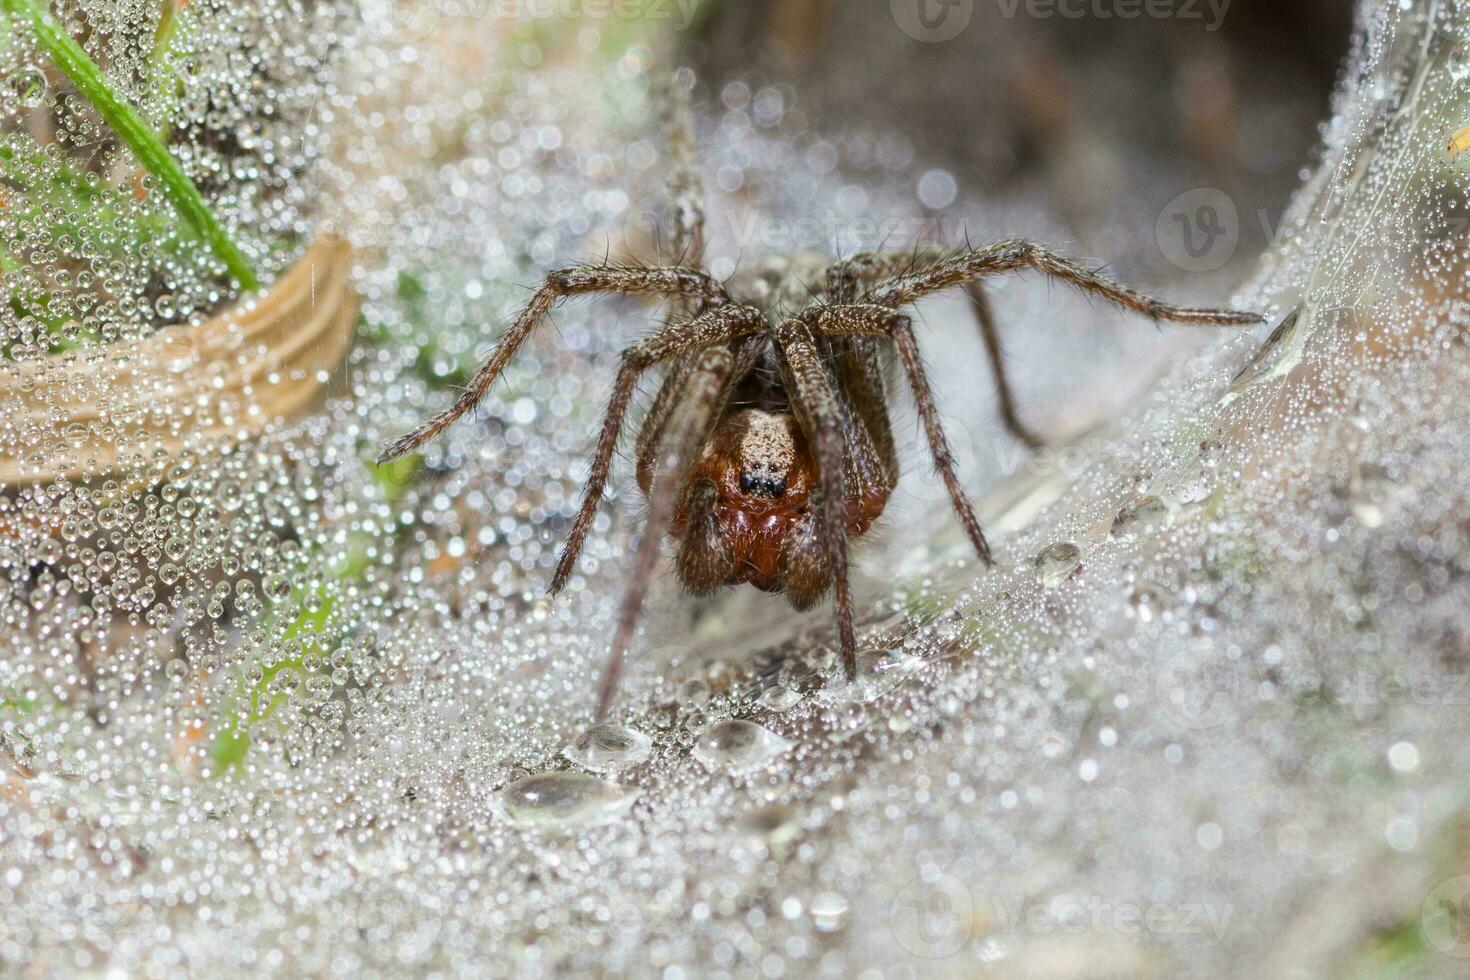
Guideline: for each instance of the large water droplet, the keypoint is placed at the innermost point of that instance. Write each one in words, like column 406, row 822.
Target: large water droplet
column 608, row 748
column 738, row 746
column 1276, row 358
column 28, row 88
column 1056, row 562
column 828, row 910
column 564, row 801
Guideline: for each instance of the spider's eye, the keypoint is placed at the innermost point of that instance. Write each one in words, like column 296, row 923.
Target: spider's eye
column 762, row 485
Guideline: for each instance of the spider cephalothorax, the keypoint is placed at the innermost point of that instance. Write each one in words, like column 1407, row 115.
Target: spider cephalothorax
column 769, row 445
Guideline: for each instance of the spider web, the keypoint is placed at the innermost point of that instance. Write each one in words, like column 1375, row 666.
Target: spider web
column 278, row 710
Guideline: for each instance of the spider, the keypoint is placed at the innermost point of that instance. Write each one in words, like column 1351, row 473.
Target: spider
column 769, row 445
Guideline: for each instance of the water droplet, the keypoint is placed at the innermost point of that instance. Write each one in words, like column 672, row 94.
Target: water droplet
column 738, row 747
column 1282, row 352
column 694, row 692
column 1403, row 756
column 178, row 351
column 776, row 823
column 880, row 670
column 1370, row 492
column 778, row 698
column 1145, row 604
column 1056, row 562
column 28, row 87
column 1144, row 516
column 564, row 801
column 1459, row 63
column 607, row 748
column 827, row 911
column 75, row 434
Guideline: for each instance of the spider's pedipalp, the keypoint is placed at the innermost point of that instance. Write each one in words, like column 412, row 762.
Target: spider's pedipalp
column 705, row 560
column 818, row 412
column 578, row 280
column 805, row 573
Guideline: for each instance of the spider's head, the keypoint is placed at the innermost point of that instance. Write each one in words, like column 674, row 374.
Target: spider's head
column 745, row 516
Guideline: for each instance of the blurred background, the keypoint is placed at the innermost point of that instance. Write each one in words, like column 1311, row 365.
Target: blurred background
column 1105, row 117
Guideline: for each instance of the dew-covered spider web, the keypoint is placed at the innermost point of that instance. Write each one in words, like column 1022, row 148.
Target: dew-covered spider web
column 266, row 708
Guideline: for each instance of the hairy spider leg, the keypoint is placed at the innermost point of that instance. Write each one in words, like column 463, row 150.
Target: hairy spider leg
column 1013, row 256
column 990, row 336
column 879, row 321
column 685, row 190
column 575, row 281
column 712, row 328
column 818, row 413
column 688, row 428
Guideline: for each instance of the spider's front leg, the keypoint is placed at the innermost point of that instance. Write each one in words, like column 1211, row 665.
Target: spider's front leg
column 664, row 281
column 845, row 280
column 912, row 276
column 878, row 321
column 1012, row 256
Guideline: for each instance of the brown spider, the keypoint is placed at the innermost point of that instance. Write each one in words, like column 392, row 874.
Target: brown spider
column 769, row 443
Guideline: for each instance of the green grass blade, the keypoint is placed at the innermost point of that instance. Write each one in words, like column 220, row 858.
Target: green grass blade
column 133, row 131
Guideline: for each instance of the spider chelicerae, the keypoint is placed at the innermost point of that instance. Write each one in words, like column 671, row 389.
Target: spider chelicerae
column 769, row 443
